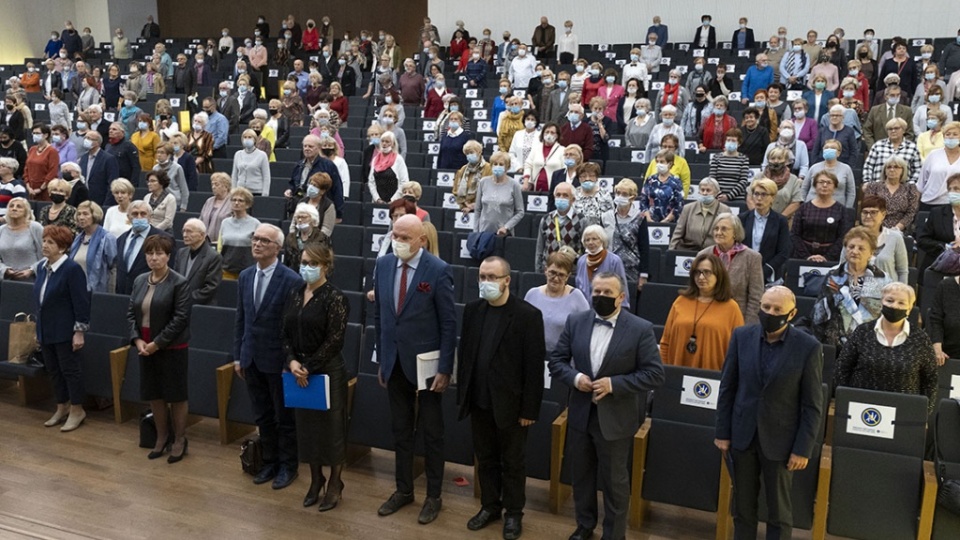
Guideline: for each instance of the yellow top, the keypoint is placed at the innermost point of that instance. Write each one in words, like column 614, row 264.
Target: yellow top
column 146, row 148
column 926, row 143
column 716, row 323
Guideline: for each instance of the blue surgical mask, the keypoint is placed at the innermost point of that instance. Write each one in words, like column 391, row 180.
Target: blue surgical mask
column 375, row 141
column 562, row 84
column 515, row 109
column 820, row 85
column 81, row 125
column 951, row 143
column 562, row 205
column 503, row 90
column 829, row 153
column 142, row 126
column 454, row 108
column 498, row 170
column 760, row 104
column 588, row 185
column 954, row 198
column 634, row 57
column 473, row 158
column 453, row 126
column 931, row 123
column 248, row 143
column 176, row 149
column 312, row 191
column 893, row 101
column 929, row 76
column 719, row 112
column 934, row 98
column 139, row 224
column 490, row 290
column 668, row 122
column 569, row 162
column 610, row 79
column 706, row 199
column 310, row 274
column 37, row 138
column 848, row 93
column 573, row 118
column 730, row 146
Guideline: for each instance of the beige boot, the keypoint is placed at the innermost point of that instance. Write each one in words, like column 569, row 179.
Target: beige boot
column 59, row 416
column 77, row 414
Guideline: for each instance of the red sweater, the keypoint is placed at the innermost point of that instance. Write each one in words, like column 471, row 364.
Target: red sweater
column 583, row 136
column 590, row 91
column 456, row 49
column 708, row 128
column 434, row 103
column 41, row 168
column 311, row 40
column 342, row 107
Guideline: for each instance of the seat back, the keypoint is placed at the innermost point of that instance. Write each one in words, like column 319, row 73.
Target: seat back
column 945, row 523
column 538, row 440
column 795, row 268
column 202, row 371
column 212, row 328
column 351, row 349
column 370, row 414
column 95, row 362
column 656, row 299
column 110, row 314
column 17, row 297
column 675, row 266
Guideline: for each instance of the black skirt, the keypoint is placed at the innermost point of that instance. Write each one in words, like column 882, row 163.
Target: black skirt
column 322, row 435
column 163, row 376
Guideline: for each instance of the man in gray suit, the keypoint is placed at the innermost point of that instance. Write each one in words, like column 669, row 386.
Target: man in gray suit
column 771, row 378
column 614, row 360
column 200, row 263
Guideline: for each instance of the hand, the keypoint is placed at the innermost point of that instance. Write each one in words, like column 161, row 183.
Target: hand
column 287, row 194
column 526, row 423
column 440, row 383
column 371, row 296
column 502, row 231
column 796, row 463
column 702, row 148
column 939, row 354
column 302, row 382
column 239, row 371
column 151, row 348
column 641, row 282
column 745, row 101
column 602, row 388
column 77, row 341
column 817, row 258
column 584, row 384
column 722, row 444
column 298, row 370
column 141, row 346
column 723, row 197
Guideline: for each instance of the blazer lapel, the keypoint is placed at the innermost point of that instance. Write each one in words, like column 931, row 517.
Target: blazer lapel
column 412, row 289
column 388, row 277
column 615, row 339
column 769, row 235
column 271, row 289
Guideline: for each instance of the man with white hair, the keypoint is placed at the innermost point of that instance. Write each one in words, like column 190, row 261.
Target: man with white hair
column 200, row 263
column 576, row 131
column 311, row 164
column 97, row 123
column 79, row 193
column 99, row 168
column 262, row 293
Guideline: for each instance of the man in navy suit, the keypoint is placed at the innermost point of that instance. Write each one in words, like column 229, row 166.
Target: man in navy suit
column 100, row 168
column 768, row 412
column 414, row 314
column 608, row 357
column 263, row 291
column 131, row 260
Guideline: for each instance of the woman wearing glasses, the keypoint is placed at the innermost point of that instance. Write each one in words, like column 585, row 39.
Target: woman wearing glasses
column 765, row 230
column 743, row 265
column 557, row 299
column 891, row 254
column 702, row 318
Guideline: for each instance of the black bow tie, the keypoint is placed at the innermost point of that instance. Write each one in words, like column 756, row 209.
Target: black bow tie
column 603, row 322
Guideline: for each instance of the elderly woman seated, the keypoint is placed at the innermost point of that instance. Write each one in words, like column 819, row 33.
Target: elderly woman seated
column 306, row 230
column 694, row 229
column 744, row 265
column 819, row 225
column 597, row 259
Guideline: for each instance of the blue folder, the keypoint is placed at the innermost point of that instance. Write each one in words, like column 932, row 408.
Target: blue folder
column 315, row 396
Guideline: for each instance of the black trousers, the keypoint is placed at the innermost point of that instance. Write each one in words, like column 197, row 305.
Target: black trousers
column 220, row 153
column 501, row 462
column 591, row 454
column 413, row 412
column 63, row 366
column 278, row 430
column 748, row 466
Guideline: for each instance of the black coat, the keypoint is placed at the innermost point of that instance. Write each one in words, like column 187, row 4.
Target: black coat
column 776, row 245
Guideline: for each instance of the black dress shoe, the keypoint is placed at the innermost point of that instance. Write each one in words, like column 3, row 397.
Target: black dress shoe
column 483, row 518
column 311, row 499
column 284, row 478
column 331, row 498
column 512, row 527
column 430, row 510
column 395, row 502
column 582, row 533
column 173, row 459
column 155, row 454
column 266, row 474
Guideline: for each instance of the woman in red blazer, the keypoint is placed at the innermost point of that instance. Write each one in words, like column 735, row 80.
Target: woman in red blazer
column 434, row 105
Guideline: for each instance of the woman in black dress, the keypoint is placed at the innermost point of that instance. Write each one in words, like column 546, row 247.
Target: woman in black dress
column 313, row 333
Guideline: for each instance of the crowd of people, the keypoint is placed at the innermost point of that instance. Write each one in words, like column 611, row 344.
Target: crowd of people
column 827, row 158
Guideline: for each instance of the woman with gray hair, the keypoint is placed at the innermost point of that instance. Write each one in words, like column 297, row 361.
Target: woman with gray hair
column 694, row 229
column 597, row 259
column 639, row 128
column 896, row 143
column 902, row 197
column 306, row 224
column 79, row 193
column 668, row 126
column 94, row 248
column 10, row 186
column 744, row 265
column 673, row 93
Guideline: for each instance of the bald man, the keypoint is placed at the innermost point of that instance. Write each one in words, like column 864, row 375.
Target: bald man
column 771, row 377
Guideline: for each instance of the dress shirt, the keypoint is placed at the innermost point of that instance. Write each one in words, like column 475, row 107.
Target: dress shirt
column 759, row 225
column 52, row 269
column 898, row 340
column 91, row 157
column 412, row 264
column 267, row 275
column 771, row 354
column 219, row 127
column 599, row 343
column 135, row 240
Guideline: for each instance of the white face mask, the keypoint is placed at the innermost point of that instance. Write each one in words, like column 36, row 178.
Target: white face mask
column 401, row 249
column 530, row 124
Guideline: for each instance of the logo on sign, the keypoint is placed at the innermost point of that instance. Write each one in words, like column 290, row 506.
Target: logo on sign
column 871, row 417
column 465, row 219
column 657, row 234
column 702, row 389
column 451, row 198
column 537, row 202
column 382, row 214
column 688, row 264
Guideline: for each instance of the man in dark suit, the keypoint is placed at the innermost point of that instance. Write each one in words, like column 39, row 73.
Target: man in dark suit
column 151, row 30
column 875, row 126
column 128, row 157
column 131, row 260
column 775, row 244
column 100, row 169
column 608, row 357
column 311, row 164
column 245, row 99
column 258, row 357
column 500, row 387
column 706, row 35
column 544, row 38
column 228, row 106
column 414, row 315
column 184, row 77
column 743, row 37
column 200, row 263
column 768, row 412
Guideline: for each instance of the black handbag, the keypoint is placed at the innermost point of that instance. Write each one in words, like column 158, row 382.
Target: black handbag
column 251, row 456
column 948, row 495
column 148, row 430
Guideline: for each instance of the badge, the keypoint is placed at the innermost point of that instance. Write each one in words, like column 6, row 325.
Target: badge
column 830, row 220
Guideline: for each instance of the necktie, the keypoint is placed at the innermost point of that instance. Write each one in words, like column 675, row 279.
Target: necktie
column 131, row 249
column 603, row 322
column 258, row 294
column 403, row 287
column 890, row 111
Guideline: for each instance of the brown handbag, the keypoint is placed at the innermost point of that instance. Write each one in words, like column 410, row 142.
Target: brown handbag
column 23, row 339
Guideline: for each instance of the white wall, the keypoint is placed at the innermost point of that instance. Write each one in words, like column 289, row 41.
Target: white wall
column 626, row 21
column 131, row 15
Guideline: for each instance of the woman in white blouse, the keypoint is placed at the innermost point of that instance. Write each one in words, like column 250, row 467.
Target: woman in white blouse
column 545, row 158
column 523, row 141
column 115, row 220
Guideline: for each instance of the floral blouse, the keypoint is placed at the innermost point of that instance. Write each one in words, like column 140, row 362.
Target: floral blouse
column 661, row 198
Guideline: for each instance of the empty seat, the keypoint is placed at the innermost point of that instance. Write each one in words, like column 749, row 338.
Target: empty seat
column 347, row 273
column 212, row 328
column 656, row 299
column 110, row 314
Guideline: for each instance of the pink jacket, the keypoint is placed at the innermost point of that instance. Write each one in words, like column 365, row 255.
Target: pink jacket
column 612, row 93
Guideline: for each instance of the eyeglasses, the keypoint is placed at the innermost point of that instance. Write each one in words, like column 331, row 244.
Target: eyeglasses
column 702, row 273
column 824, row 183
column 484, row 277
column 760, row 194
column 557, row 275
column 869, row 213
column 261, row 240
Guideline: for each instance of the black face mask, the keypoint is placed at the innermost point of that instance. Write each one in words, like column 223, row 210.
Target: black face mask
column 772, row 323
column 57, row 198
column 410, row 198
column 67, row 176
column 893, row 314
column 776, row 166
column 273, row 111
column 604, row 305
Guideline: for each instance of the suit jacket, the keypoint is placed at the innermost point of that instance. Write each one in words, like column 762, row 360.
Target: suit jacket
column 105, row 170
column 189, row 79
column 103, row 128
column 749, row 42
column 320, row 164
column 555, row 109
column 516, row 369
column 785, row 413
column 126, row 277
column 258, row 339
column 128, row 161
column 169, row 310
column 348, row 81
column 711, row 37
column 229, row 108
column 245, row 113
column 426, row 322
column 204, row 276
column 775, row 246
column 875, row 126
column 66, row 302
column 933, row 235
column 632, row 362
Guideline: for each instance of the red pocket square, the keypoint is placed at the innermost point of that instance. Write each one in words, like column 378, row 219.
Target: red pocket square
column 423, row 287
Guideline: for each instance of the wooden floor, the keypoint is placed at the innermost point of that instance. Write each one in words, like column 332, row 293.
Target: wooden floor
column 96, row 483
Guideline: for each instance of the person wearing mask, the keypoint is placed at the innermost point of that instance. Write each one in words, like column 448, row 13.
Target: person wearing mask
column 597, row 259
column 818, row 96
column 199, row 263
column 544, row 158
column 637, row 130
column 428, row 324
column 846, row 192
column 730, row 168
column 756, row 138
column 722, row 84
column 694, row 230
column 932, row 138
column 934, row 96
column 499, row 201
column 313, row 163
column 626, row 108
column 468, row 176
column 798, row 161
column 706, row 35
column 765, row 229
column 218, row 207
column 776, row 439
column 794, row 66
column 60, row 140
column 661, row 198
column 599, row 426
column 560, row 227
column 522, row 68
column 125, row 152
column 146, row 141
column 388, row 172
column 59, row 212
column 178, row 182
column 901, row 198
column 21, row 242
column 938, row 233
column 131, row 256
column 63, row 317
column 702, row 318
column 820, row 224
column 278, row 123
column 251, row 166
column 627, row 233
column 572, row 159
column 569, row 45
column 891, row 255
column 264, row 290
column 42, row 165
column 500, row 414
column 217, row 125
column 10, row 147
column 743, row 37
column 673, row 94
column 200, row 143
column 698, row 112
column 667, row 126
column 306, row 230
column 120, row 45
column 555, row 101
column 903, row 65
column 699, row 77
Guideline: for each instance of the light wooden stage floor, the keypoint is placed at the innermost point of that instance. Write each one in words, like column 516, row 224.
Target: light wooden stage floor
column 97, row 483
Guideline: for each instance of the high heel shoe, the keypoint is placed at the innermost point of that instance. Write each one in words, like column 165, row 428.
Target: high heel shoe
column 173, row 458
column 154, row 454
column 58, row 417
column 331, row 499
column 311, row 498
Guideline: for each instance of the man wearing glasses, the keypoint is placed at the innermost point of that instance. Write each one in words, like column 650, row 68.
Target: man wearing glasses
column 263, row 290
